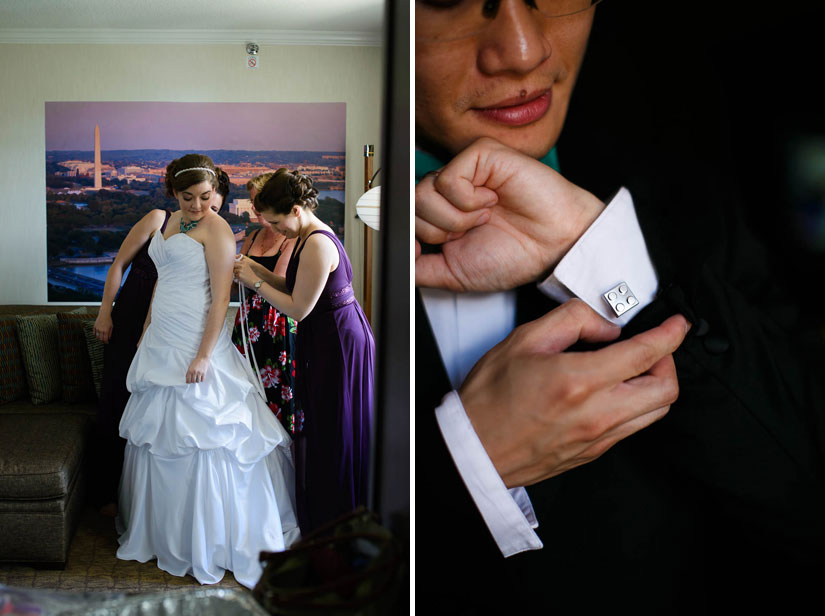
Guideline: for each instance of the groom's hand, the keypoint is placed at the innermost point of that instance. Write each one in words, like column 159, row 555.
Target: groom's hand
column 502, row 219
column 540, row 411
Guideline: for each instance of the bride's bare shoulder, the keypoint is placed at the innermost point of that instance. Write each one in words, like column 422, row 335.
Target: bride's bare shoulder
column 217, row 228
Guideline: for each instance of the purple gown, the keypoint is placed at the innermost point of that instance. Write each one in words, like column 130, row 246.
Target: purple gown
column 335, row 352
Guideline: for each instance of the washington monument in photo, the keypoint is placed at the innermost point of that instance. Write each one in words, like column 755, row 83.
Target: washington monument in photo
column 98, row 182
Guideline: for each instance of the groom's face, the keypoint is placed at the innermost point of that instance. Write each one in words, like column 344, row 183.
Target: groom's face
column 510, row 80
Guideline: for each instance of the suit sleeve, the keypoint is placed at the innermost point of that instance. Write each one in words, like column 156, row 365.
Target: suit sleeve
column 453, row 544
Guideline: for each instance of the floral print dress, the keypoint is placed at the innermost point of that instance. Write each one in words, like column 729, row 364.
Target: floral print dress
column 272, row 340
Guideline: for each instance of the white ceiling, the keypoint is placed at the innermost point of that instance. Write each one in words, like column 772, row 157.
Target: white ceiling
column 331, row 22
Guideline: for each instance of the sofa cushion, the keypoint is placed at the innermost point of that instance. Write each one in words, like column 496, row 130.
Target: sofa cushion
column 41, row 454
column 75, row 368
column 12, row 372
column 95, row 351
column 41, row 358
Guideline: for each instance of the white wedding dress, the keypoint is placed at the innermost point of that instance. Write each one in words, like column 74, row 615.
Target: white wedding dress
column 208, row 480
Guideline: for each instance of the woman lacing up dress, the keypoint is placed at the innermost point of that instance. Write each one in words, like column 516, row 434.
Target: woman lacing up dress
column 335, row 351
column 271, row 334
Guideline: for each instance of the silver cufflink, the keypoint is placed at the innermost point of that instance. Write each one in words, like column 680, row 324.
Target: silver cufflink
column 621, row 299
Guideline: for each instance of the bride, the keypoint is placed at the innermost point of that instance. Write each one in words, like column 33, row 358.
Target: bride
column 207, row 479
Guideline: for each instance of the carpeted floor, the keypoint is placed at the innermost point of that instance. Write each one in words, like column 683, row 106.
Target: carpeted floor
column 93, row 566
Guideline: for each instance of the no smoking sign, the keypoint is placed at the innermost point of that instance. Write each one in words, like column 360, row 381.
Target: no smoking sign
column 252, row 61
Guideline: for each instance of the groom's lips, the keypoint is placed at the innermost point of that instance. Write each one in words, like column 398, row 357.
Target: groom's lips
column 518, row 111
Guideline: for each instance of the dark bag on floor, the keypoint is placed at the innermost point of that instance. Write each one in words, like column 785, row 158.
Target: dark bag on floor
column 349, row 567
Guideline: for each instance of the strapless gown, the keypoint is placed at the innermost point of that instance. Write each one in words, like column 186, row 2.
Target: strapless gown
column 208, row 478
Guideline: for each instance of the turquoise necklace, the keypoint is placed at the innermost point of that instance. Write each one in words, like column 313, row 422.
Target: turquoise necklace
column 185, row 227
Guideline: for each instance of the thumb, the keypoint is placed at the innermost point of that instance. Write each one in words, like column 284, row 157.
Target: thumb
column 431, row 270
column 564, row 326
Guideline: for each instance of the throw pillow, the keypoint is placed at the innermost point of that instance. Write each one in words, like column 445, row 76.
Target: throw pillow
column 38, row 344
column 95, row 348
column 12, row 372
column 75, row 368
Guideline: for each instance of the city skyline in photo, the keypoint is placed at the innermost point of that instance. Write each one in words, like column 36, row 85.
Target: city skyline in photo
column 96, row 189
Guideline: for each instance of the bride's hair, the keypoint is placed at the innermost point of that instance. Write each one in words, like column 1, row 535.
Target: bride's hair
column 284, row 190
column 189, row 170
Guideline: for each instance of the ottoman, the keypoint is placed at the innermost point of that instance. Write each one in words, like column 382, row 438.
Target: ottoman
column 41, row 483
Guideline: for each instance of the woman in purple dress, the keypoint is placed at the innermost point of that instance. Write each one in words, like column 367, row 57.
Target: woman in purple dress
column 119, row 327
column 335, row 351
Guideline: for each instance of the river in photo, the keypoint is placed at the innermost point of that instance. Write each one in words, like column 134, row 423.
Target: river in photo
column 97, row 271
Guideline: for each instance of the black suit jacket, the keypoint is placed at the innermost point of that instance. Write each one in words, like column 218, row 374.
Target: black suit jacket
column 719, row 505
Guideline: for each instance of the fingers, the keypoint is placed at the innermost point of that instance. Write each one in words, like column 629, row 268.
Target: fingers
column 193, row 376
column 632, row 407
column 663, row 371
column 196, row 373
column 431, row 270
column 438, row 220
column 464, row 181
column 633, row 378
column 240, row 271
column 629, row 358
column 560, row 328
column 455, row 183
column 429, row 234
column 630, row 400
column 573, row 321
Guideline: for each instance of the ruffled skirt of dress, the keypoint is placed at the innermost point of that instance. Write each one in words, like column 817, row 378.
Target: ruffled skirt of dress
column 208, row 479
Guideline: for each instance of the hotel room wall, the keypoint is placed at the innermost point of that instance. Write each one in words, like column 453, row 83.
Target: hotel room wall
column 31, row 74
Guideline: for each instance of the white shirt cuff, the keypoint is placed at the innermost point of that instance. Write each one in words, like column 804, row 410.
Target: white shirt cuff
column 508, row 513
column 612, row 250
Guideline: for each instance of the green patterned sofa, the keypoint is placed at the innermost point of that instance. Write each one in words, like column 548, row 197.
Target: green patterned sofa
column 49, row 368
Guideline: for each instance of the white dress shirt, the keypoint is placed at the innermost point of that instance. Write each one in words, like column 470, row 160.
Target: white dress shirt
column 467, row 325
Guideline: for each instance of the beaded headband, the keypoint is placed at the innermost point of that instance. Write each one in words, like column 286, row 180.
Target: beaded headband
column 195, row 169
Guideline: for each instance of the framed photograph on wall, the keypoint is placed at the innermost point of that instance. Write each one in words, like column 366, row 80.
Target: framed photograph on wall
column 106, row 162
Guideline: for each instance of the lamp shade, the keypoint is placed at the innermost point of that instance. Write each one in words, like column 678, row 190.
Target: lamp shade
column 368, row 207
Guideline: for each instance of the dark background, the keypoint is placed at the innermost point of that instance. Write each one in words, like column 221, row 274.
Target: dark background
column 721, row 95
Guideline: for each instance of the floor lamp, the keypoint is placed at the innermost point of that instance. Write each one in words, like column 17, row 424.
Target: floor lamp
column 367, row 209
